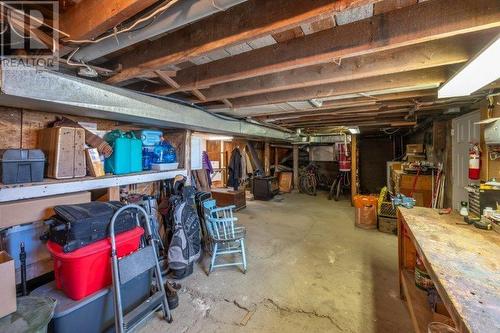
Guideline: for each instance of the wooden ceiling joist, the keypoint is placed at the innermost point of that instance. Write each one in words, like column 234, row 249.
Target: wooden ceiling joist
column 422, row 78
column 410, row 25
column 426, row 55
column 91, row 18
column 245, row 22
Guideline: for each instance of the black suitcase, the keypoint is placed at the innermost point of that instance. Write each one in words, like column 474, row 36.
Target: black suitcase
column 75, row 226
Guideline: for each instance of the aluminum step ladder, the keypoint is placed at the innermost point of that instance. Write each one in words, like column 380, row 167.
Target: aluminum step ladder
column 126, row 268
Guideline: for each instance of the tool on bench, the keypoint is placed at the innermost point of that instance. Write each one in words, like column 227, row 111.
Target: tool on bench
column 126, row 268
column 402, row 200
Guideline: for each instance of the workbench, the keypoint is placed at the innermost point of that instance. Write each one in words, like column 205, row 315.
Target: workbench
column 462, row 261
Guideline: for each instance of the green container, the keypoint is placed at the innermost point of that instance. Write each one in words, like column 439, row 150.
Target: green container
column 127, row 153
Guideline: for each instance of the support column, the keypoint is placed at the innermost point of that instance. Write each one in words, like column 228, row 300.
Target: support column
column 276, row 162
column 267, row 159
column 296, row 167
column 354, row 166
column 187, row 156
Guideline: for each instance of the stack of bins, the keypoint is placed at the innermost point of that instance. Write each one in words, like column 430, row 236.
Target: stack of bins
column 365, row 211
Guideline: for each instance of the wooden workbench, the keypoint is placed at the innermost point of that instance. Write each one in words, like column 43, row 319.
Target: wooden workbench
column 462, row 261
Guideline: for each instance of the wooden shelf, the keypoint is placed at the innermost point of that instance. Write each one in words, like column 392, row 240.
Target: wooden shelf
column 416, row 300
column 54, row 187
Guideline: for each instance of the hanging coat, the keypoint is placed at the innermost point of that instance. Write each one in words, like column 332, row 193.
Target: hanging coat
column 234, row 168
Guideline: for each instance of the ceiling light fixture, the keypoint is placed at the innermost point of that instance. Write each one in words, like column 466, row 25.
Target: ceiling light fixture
column 354, row 130
column 477, row 73
column 316, row 102
column 219, row 138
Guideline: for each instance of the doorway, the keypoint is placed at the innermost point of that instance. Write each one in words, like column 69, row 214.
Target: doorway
column 464, row 133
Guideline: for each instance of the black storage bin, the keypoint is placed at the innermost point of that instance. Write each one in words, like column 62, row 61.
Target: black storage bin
column 93, row 313
column 265, row 188
column 21, row 165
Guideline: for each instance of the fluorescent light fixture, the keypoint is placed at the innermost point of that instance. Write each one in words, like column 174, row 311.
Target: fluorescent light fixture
column 219, row 138
column 354, row 130
column 477, row 73
column 316, row 102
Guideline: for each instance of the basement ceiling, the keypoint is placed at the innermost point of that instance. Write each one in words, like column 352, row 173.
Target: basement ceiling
column 313, row 65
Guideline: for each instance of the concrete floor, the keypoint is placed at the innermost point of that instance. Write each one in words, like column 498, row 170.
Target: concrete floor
column 310, row 270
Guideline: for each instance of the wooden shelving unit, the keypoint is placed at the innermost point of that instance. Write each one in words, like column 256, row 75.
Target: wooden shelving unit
column 416, row 300
column 54, row 187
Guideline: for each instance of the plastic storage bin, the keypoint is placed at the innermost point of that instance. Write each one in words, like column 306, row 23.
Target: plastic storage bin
column 21, row 165
column 88, row 269
column 365, row 211
column 127, row 153
column 29, row 234
column 95, row 312
column 149, row 137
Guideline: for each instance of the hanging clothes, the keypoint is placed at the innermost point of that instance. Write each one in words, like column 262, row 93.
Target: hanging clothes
column 244, row 173
column 234, row 168
column 207, row 166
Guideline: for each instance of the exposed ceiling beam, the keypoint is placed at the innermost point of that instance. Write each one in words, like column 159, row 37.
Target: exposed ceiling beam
column 91, row 18
column 427, row 21
column 360, row 123
column 422, row 78
column 245, row 22
column 426, row 55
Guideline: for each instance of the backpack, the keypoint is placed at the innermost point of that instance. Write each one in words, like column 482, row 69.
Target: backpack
column 185, row 246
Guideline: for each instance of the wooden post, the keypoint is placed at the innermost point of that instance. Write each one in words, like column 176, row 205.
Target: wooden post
column 114, row 193
column 296, row 167
column 267, row 159
column 354, row 166
column 276, row 161
column 187, row 156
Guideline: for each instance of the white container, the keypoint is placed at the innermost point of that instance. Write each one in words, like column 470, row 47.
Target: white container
column 164, row 166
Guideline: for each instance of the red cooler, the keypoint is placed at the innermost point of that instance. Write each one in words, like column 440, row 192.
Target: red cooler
column 88, row 269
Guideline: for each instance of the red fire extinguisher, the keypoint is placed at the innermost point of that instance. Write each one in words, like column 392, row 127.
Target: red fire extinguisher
column 474, row 162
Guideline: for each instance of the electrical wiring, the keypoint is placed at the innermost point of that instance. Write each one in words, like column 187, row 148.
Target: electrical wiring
column 117, row 32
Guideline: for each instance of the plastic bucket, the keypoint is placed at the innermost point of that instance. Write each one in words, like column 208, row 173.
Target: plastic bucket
column 365, row 211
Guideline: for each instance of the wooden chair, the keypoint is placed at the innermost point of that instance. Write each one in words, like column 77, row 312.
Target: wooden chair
column 226, row 238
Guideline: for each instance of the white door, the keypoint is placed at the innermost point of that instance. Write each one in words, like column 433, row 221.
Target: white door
column 464, row 133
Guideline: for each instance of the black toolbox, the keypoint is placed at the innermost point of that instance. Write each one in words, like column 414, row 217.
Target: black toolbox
column 21, row 165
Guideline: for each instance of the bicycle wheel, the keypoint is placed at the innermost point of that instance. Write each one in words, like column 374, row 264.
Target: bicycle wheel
column 338, row 189
column 332, row 189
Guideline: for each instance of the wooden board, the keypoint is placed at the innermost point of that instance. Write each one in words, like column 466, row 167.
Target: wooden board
column 10, row 129
column 64, row 149
column 464, row 264
column 285, row 181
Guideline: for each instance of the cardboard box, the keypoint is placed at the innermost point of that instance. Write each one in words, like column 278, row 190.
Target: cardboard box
column 412, row 157
column 32, row 210
column 415, row 148
column 7, row 285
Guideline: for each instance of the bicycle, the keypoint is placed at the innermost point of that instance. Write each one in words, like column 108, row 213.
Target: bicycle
column 308, row 180
column 341, row 182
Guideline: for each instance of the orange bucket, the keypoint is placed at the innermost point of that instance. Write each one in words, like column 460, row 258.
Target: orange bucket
column 365, row 211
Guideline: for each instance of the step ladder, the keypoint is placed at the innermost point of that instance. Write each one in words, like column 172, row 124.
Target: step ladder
column 126, row 268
